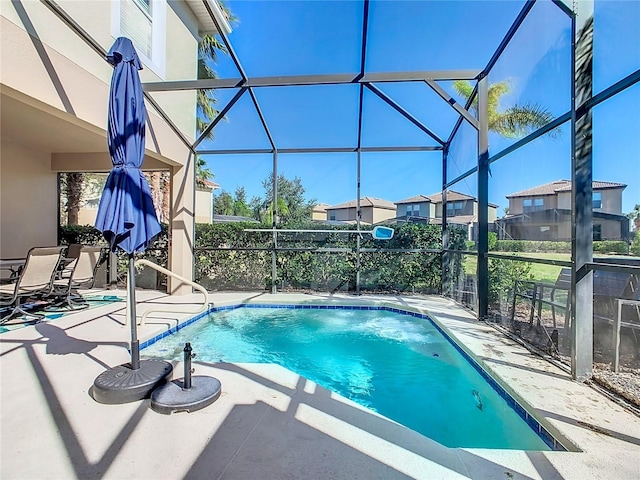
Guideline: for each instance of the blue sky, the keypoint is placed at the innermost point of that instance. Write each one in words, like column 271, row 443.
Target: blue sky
column 319, row 37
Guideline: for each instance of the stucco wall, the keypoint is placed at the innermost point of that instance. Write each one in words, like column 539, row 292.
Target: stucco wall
column 28, row 210
column 44, row 62
column 381, row 214
column 203, row 206
column 611, row 201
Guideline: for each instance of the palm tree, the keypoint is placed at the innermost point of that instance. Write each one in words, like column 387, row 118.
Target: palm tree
column 514, row 122
column 71, row 185
column 202, row 171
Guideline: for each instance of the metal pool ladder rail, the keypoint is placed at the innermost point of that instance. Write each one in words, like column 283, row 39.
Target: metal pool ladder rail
column 169, row 273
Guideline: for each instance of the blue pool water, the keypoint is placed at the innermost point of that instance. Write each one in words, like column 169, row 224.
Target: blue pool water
column 396, row 364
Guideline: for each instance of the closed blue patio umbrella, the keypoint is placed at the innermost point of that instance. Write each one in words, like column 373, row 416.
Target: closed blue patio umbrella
column 126, row 215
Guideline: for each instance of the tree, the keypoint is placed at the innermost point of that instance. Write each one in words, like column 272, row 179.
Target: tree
column 203, row 173
column 634, row 216
column 514, row 122
column 208, row 49
column 293, row 209
column 71, row 184
column 76, row 189
column 240, row 206
column 223, row 203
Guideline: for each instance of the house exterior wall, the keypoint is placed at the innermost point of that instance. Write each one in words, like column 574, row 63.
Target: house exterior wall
column 564, row 200
column 203, row 205
column 48, row 69
column 378, row 215
column 317, row 215
column 493, row 213
column 424, row 209
column 342, row 214
column 29, row 216
column 611, row 200
column 610, row 229
column 550, row 202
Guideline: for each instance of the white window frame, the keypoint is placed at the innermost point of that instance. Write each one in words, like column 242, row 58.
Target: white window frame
column 157, row 64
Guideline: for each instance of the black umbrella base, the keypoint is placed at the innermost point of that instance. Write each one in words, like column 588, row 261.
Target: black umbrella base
column 172, row 397
column 122, row 384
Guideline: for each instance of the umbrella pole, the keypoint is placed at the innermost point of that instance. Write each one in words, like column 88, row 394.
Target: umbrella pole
column 131, row 289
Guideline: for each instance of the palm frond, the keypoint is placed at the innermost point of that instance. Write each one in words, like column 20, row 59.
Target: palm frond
column 463, row 88
column 231, row 17
column 209, row 47
column 520, row 120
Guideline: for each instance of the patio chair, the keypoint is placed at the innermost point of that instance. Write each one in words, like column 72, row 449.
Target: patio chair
column 35, row 280
column 71, row 258
column 80, row 273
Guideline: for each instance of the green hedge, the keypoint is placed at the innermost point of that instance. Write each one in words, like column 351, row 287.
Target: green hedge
column 532, row 246
column 599, row 246
column 611, row 246
column 227, row 257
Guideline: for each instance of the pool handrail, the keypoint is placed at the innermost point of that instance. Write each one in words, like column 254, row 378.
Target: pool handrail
column 169, row 273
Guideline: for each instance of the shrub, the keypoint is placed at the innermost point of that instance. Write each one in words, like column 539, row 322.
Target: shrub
column 493, row 240
column 532, row 246
column 503, row 275
column 610, row 246
column 635, row 244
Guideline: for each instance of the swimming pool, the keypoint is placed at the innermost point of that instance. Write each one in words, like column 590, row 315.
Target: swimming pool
column 397, row 363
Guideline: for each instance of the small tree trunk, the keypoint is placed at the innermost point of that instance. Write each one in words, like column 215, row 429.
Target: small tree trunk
column 74, row 195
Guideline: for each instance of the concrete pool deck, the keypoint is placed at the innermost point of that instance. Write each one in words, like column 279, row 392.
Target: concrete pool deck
column 270, row 423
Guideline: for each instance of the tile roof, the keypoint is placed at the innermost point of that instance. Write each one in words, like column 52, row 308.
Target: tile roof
column 414, row 199
column 321, row 207
column 209, row 183
column 366, row 202
column 552, row 188
column 451, row 196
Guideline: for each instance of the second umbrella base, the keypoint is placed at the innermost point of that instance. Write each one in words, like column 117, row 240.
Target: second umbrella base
column 172, row 397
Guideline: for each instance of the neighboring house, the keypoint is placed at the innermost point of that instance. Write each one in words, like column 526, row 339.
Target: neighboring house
column 461, row 210
column 373, row 210
column 544, row 212
column 54, row 90
column 204, row 201
column 414, row 208
column 319, row 212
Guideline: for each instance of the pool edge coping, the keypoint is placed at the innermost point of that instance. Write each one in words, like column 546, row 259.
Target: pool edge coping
column 552, row 437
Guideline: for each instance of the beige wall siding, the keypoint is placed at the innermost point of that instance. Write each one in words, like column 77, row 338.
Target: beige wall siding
column 381, row 214
column 203, row 206
column 611, row 201
column 56, row 79
column 343, row 214
column 610, row 229
column 493, row 214
column 564, row 200
column 28, row 210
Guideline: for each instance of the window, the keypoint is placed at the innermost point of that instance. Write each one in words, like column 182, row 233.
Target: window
column 597, row 232
column 144, row 22
column 454, row 209
column 532, row 205
column 413, row 211
column 597, row 200
column 332, row 216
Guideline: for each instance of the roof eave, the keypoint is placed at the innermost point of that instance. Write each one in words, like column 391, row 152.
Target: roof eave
column 206, row 26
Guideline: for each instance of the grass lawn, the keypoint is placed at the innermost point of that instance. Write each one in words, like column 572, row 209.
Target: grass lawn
column 541, row 272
